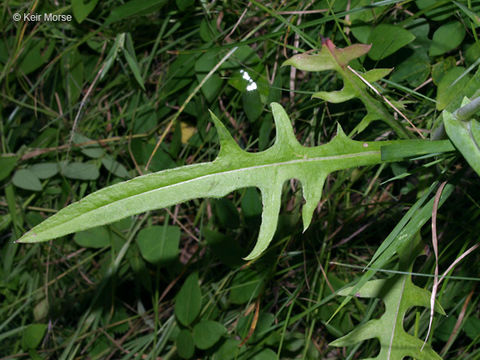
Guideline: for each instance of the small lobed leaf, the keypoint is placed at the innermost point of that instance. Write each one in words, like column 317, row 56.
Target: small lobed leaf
column 26, row 179
column 79, row 171
column 188, row 301
column 95, row 238
column 159, row 244
column 265, row 354
column 7, row 164
column 44, row 170
column 93, row 150
column 115, row 167
column 33, row 335
column 207, row 333
column 81, row 9
column 387, row 39
column 185, row 344
column 228, row 350
column 446, row 38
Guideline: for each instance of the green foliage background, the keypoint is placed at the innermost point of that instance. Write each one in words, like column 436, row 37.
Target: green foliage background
column 90, row 102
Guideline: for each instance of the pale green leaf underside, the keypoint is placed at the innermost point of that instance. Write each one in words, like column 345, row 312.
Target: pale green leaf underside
column 399, row 294
column 233, row 169
column 466, row 137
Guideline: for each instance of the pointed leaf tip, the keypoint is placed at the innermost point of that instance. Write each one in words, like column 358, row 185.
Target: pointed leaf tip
column 271, row 200
column 340, row 132
column 312, row 189
column 227, row 143
column 285, row 135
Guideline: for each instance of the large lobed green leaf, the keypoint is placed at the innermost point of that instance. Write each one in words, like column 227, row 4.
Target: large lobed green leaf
column 234, row 168
column 399, row 294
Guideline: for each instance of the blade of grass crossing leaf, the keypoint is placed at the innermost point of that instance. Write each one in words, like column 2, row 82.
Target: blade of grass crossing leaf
column 401, row 224
column 415, row 148
column 403, row 236
column 413, row 226
column 129, row 53
column 308, row 40
column 474, row 17
column 112, row 54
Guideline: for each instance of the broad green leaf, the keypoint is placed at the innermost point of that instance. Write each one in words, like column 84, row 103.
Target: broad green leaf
column 233, row 169
column 472, row 54
column 80, row 171
column 265, row 354
column 465, row 135
column 207, row 333
column 332, row 58
column 387, row 39
column 133, row 8
column 228, row 350
column 36, row 55
column 252, row 105
column 441, row 68
column 115, row 167
column 185, row 344
column 446, row 38
column 7, row 164
column 33, row 335
column 95, row 238
column 362, row 32
column 472, row 327
column 188, row 301
column 81, row 9
column 415, row 69
column 44, row 170
column 159, row 244
column 25, row 179
column 208, row 30
column 454, row 86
